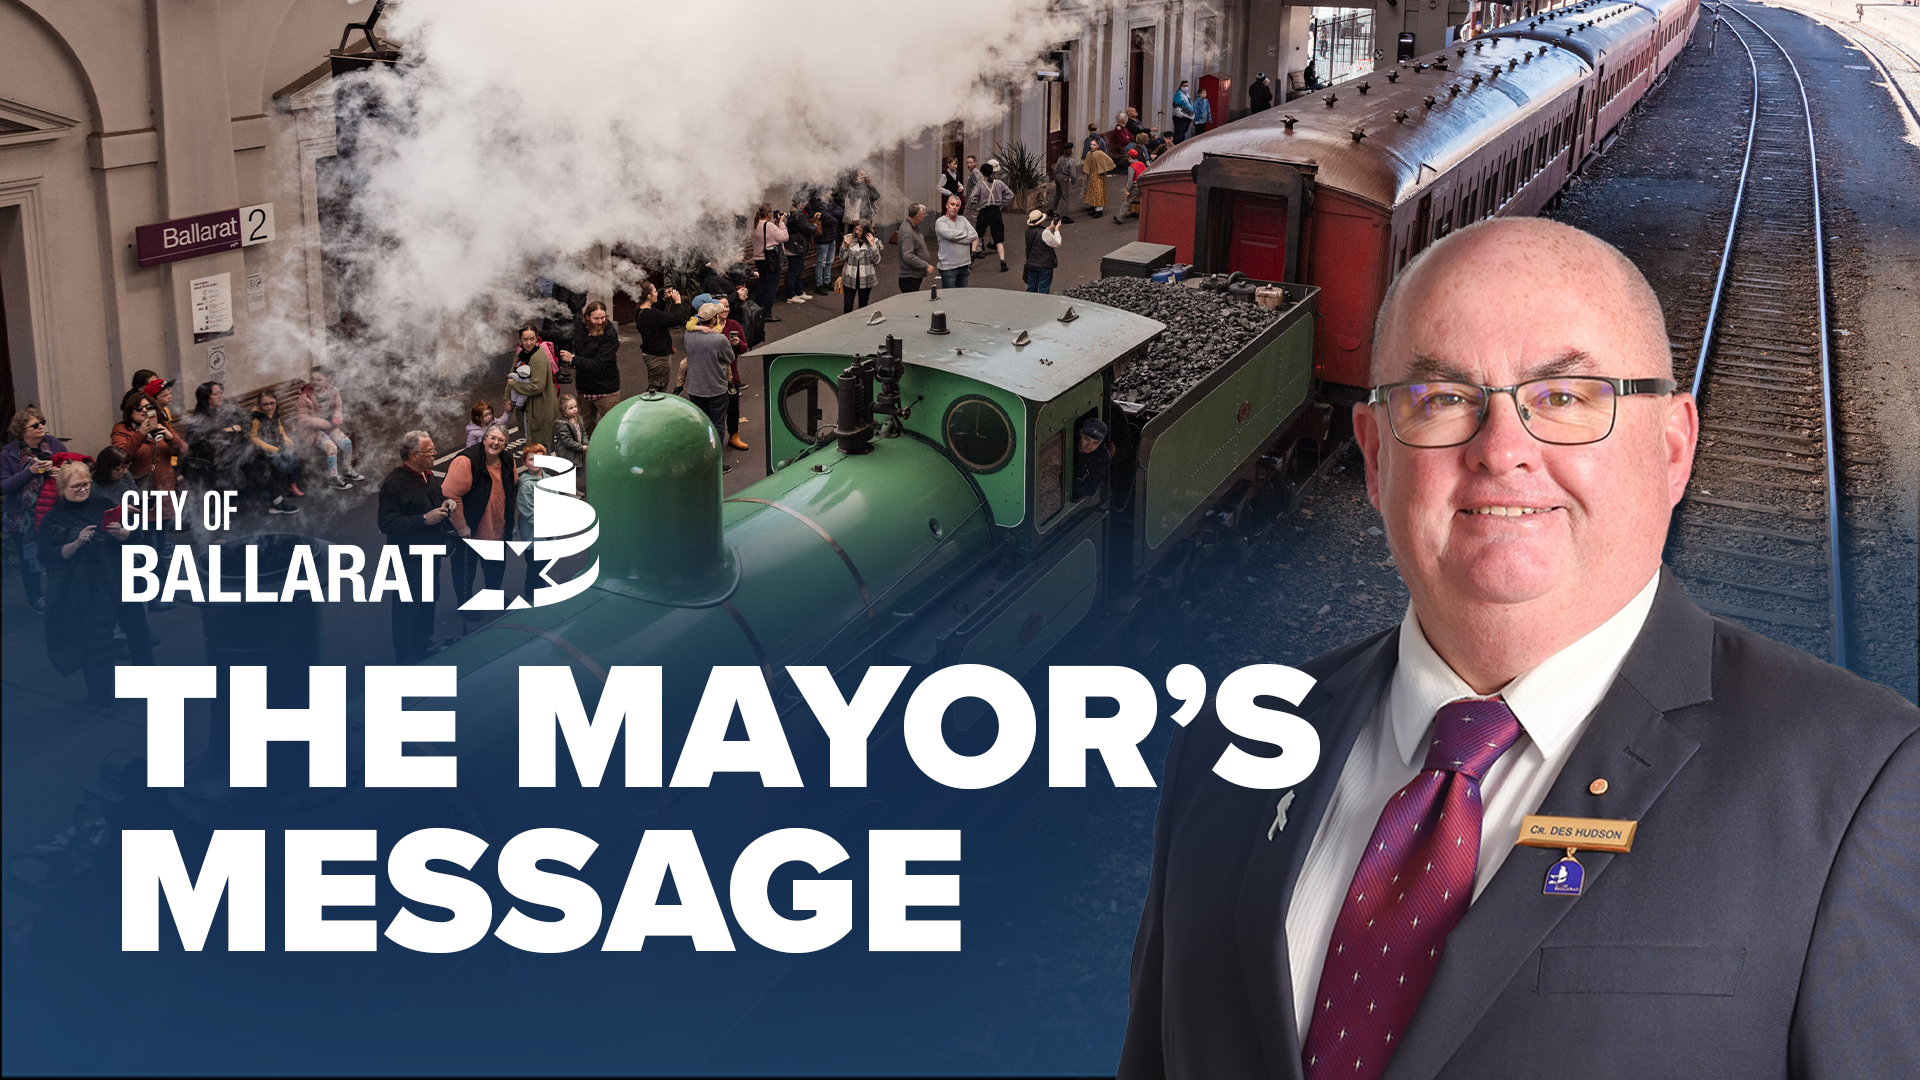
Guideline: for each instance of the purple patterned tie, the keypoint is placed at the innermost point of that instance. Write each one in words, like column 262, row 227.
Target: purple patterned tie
column 1412, row 886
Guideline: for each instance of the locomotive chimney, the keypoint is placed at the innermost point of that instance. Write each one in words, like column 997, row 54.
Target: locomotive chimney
column 654, row 477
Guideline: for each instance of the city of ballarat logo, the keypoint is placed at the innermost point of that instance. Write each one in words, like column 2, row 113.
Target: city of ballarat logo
column 562, row 525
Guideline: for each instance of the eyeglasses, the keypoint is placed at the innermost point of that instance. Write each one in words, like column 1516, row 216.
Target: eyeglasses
column 1566, row 410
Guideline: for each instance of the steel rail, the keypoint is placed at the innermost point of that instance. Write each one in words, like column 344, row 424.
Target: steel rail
column 1835, row 575
column 1733, row 222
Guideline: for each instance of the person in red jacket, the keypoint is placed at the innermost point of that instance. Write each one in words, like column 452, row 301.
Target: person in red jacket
column 151, row 445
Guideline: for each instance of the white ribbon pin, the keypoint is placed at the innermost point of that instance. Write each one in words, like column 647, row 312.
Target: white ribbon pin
column 1280, row 816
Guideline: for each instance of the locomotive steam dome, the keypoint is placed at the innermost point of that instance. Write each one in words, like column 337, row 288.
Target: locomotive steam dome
column 658, row 496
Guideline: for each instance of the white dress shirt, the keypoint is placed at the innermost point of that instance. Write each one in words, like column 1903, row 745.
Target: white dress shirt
column 1553, row 703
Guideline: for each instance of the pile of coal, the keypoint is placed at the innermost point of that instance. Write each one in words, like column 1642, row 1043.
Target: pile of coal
column 1204, row 330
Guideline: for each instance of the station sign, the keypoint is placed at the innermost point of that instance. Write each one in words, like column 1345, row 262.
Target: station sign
column 203, row 234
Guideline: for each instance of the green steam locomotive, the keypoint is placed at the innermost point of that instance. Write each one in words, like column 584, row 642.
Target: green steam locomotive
column 919, row 504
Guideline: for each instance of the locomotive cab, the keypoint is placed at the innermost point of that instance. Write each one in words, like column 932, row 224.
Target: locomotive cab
column 995, row 383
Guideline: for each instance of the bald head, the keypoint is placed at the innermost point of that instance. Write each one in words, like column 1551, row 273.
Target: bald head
column 1521, row 271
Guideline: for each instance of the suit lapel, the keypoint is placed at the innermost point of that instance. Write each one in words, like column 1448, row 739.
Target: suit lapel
column 1346, row 700
column 1630, row 742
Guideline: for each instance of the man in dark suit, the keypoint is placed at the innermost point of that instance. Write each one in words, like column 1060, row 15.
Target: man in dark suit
column 1525, row 447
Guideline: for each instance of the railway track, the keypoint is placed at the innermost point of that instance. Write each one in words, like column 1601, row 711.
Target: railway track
column 1758, row 535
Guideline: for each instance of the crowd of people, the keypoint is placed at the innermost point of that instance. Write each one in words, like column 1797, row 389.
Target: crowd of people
column 62, row 509
column 561, row 379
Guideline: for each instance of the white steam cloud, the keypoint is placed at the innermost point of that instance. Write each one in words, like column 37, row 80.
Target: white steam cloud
column 535, row 132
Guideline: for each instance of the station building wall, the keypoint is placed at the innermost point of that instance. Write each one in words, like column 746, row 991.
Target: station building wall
column 121, row 113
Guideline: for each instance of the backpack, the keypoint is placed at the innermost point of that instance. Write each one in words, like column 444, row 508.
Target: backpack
column 753, row 319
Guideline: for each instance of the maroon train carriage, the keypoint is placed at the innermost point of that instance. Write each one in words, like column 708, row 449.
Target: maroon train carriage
column 1340, row 189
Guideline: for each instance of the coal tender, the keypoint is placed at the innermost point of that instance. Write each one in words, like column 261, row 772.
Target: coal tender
column 1212, row 394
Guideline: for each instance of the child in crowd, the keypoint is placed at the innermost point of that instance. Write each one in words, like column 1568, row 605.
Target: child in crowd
column 516, row 400
column 480, row 418
column 530, row 474
column 570, row 439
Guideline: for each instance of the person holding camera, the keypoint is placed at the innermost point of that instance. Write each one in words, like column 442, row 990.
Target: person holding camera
column 655, row 319
column 26, row 494
column 151, row 445
column 861, row 198
column 862, row 268
column 81, row 535
column 1043, row 238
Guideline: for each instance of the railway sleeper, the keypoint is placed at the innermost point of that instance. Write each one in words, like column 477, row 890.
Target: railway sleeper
column 1759, row 508
column 1754, row 530
column 1761, row 431
column 1757, row 444
column 1791, row 466
column 1754, row 586
column 1782, row 618
column 1753, row 556
column 1773, row 387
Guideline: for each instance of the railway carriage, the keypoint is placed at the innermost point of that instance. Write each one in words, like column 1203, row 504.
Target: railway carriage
column 1340, row 190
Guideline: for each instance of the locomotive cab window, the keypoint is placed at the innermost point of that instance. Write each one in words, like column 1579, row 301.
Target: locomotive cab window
column 809, row 404
column 979, row 433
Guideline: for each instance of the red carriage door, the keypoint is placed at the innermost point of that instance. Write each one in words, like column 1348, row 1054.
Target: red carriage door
column 1257, row 236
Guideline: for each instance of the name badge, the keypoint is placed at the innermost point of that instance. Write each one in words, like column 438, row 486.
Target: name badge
column 1592, row 834
column 1567, row 877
